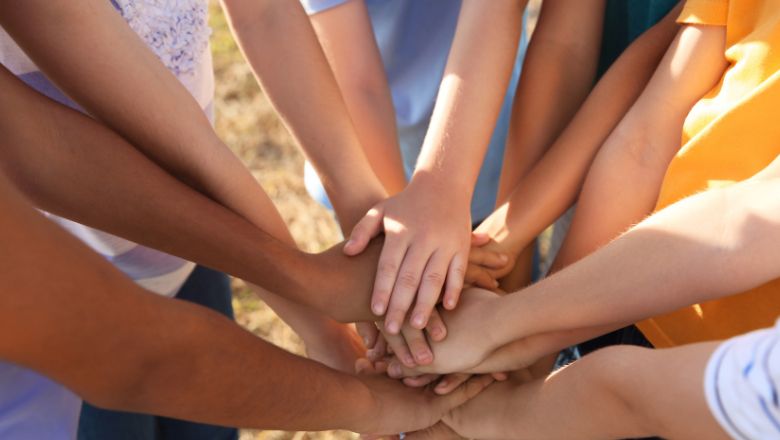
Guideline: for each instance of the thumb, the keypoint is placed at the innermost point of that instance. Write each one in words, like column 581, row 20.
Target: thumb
column 367, row 228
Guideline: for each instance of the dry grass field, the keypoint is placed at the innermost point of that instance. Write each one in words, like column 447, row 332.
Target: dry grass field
column 248, row 124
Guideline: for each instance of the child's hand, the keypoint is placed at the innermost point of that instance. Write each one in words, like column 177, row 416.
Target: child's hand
column 427, row 238
column 487, row 263
column 467, row 343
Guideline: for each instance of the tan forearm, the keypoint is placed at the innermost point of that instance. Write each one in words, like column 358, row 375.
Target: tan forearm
column 469, row 100
column 129, row 355
column 558, row 73
column 554, row 183
column 303, row 89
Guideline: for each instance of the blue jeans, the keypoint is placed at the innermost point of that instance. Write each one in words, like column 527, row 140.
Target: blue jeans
column 205, row 287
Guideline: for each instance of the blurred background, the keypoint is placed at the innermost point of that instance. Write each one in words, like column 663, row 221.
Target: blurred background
column 248, row 124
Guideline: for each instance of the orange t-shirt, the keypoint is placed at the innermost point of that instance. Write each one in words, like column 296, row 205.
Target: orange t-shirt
column 732, row 133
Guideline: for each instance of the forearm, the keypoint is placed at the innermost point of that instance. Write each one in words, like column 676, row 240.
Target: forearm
column 72, row 166
column 301, row 87
column 131, row 353
column 473, row 86
column 619, row 392
column 133, row 93
column 558, row 73
column 710, row 245
column 347, row 39
column 553, row 184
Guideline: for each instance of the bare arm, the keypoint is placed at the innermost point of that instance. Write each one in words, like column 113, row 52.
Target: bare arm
column 554, row 183
column 708, row 246
column 89, row 51
column 618, row 392
column 130, row 356
column 307, row 97
column 73, row 166
column 623, row 184
column 427, row 226
column 348, row 41
column 558, row 73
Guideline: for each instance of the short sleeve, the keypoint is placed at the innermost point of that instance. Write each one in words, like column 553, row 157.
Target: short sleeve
column 740, row 385
column 706, row 12
column 314, row 6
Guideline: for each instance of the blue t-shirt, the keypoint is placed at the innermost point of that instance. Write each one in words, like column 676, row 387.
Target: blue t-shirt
column 414, row 38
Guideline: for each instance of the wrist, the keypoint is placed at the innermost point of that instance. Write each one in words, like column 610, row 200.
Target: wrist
column 434, row 185
column 365, row 407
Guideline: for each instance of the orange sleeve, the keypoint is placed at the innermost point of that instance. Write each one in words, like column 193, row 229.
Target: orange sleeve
column 706, row 12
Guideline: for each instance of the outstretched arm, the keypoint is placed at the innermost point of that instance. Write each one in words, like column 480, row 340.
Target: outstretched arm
column 307, row 97
column 544, row 193
column 618, row 392
column 128, row 356
column 93, row 55
column 714, row 244
column 71, row 165
column 427, row 226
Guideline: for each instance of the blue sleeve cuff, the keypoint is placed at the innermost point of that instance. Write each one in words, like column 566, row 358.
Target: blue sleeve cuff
column 314, row 6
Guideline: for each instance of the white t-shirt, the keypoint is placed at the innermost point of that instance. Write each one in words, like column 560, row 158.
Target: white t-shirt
column 741, row 383
column 32, row 406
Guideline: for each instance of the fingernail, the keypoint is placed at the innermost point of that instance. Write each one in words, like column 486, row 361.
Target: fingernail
column 495, row 283
column 419, row 320
column 435, row 333
column 392, row 327
column 442, row 385
column 450, row 303
column 503, row 258
column 408, row 360
column 394, row 370
column 378, row 308
column 348, row 243
column 424, row 356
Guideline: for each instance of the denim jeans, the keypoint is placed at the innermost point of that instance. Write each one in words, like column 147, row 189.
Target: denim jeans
column 205, row 287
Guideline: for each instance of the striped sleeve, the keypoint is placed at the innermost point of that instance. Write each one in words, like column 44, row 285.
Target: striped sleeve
column 741, row 385
column 706, row 12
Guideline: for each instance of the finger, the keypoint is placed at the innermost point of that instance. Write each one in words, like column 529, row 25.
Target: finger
column 430, row 289
column 436, row 329
column 368, row 332
column 367, row 228
column 420, row 381
column 479, row 277
column 390, row 258
column 405, row 288
column 479, row 239
column 489, row 259
column 379, row 350
column 450, row 382
column 418, row 345
column 465, row 392
column 455, row 274
column 400, row 349
column 500, row 377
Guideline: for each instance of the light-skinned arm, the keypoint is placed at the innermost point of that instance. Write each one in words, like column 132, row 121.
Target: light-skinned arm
column 347, row 38
column 553, row 184
column 128, row 355
column 623, row 184
column 618, row 392
column 427, row 226
column 708, row 246
column 305, row 94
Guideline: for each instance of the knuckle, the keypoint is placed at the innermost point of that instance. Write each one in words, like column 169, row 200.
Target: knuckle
column 408, row 280
column 387, row 268
column 435, row 278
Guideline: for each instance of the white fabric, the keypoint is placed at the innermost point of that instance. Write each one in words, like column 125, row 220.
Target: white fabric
column 741, row 385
